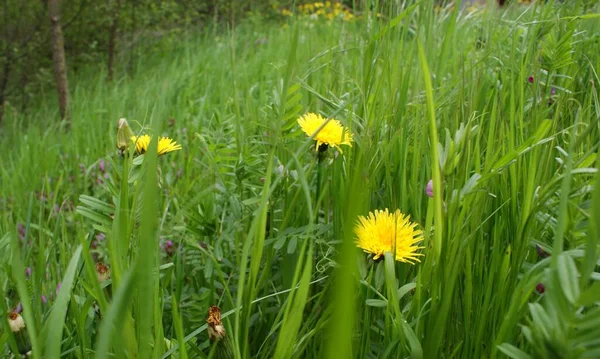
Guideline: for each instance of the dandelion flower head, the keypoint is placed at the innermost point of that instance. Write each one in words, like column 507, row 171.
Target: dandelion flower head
column 333, row 134
column 165, row 144
column 383, row 231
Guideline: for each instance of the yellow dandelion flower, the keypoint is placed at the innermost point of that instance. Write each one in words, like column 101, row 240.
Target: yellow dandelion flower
column 384, row 232
column 333, row 134
column 286, row 12
column 165, row 144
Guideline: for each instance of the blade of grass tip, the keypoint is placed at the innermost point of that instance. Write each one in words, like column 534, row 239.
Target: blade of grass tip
column 147, row 252
column 114, row 320
column 18, row 272
column 56, row 321
column 435, row 167
column 295, row 307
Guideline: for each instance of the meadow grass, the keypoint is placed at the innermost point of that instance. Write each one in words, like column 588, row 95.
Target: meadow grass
column 498, row 107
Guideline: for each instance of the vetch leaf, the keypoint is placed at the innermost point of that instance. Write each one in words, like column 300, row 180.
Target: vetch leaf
column 567, row 275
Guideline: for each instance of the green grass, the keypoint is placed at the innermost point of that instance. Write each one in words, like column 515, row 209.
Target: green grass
column 264, row 229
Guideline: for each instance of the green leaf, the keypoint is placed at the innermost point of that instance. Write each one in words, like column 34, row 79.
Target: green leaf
column 567, row 275
column 405, row 289
column 116, row 316
column 379, row 303
column 293, row 315
column 94, row 216
column 513, row 352
column 96, row 204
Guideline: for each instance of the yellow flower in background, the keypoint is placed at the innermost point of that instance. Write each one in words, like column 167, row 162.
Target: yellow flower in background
column 141, row 143
column 333, row 134
column 165, row 144
column 383, row 231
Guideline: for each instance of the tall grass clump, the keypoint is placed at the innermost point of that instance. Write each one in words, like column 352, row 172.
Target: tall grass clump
column 409, row 181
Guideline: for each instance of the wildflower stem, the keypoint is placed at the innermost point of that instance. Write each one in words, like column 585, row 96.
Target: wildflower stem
column 117, row 241
column 318, row 191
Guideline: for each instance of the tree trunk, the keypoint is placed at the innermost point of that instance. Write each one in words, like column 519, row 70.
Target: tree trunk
column 4, row 82
column 112, row 37
column 58, row 56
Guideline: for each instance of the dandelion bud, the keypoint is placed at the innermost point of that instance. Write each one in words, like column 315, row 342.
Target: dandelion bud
column 216, row 331
column 16, row 322
column 102, row 272
column 124, row 135
column 17, row 326
column 217, row 334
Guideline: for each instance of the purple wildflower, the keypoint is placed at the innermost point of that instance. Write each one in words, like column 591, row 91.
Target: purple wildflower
column 541, row 288
column 58, row 287
column 19, row 308
column 28, row 271
column 22, row 230
column 169, row 247
column 44, row 299
column 102, row 165
column 429, row 188
column 100, row 237
column 280, row 170
column 530, row 79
